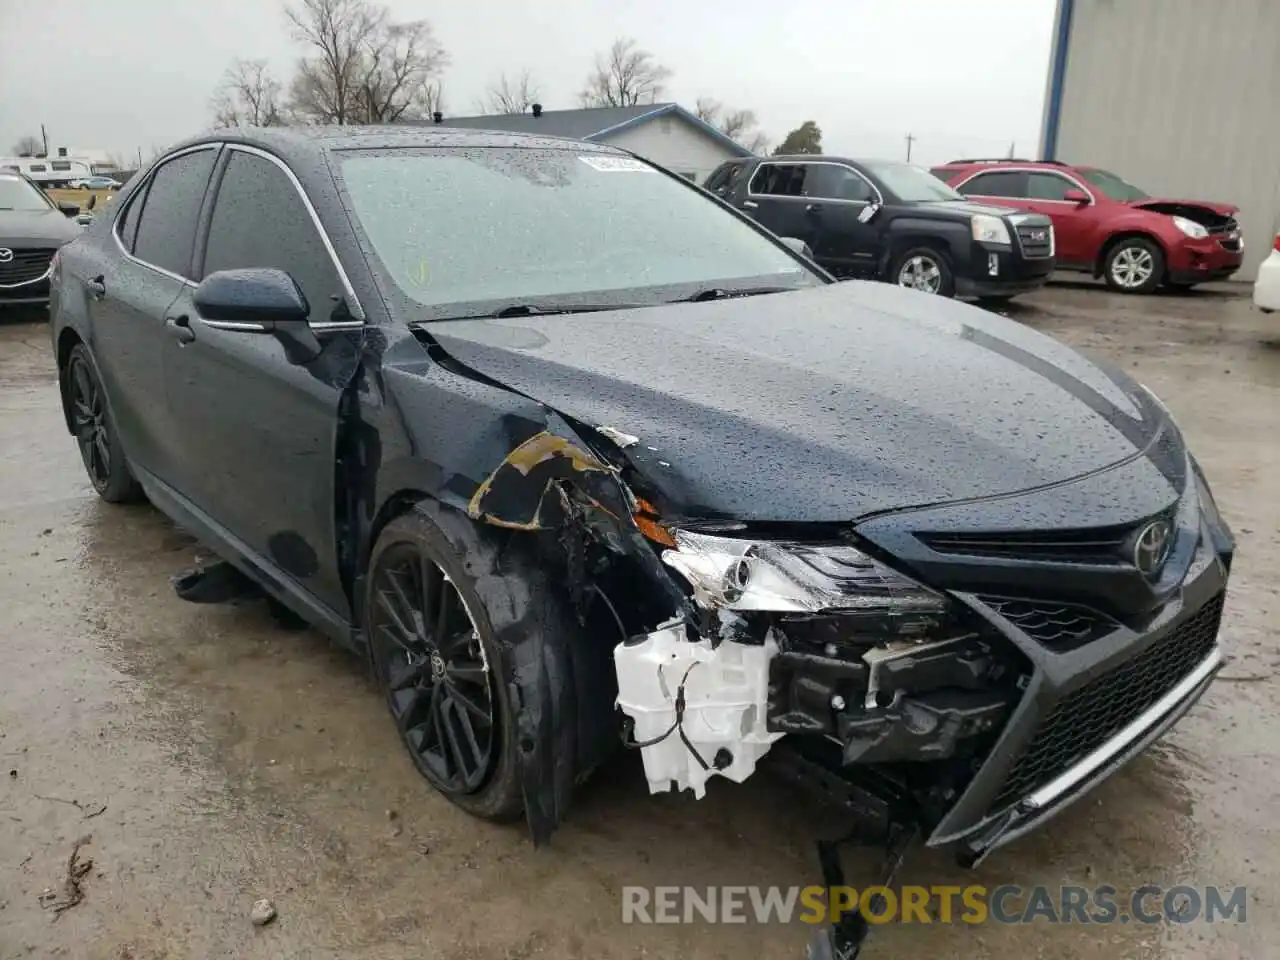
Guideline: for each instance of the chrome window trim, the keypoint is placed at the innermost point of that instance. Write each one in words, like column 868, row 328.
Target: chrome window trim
column 133, row 198
column 812, row 163
column 323, row 326
column 353, row 302
column 243, row 327
column 1055, row 173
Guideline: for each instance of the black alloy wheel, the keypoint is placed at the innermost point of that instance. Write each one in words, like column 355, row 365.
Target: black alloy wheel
column 100, row 448
column 428, row 653
column 89, row 418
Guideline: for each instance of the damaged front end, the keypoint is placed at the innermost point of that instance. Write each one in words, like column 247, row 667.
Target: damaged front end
column 817, row 639
column 727, row 639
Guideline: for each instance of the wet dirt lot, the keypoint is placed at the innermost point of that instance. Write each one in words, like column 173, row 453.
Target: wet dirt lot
column 236, row 760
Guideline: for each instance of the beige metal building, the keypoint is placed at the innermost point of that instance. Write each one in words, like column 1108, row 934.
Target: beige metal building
column 1179, row 97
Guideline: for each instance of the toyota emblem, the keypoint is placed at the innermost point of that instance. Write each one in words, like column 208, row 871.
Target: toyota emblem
column 5, row 254
column 1151, row 547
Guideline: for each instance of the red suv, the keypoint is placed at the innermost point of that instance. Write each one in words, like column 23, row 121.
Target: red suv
column 1110, row 228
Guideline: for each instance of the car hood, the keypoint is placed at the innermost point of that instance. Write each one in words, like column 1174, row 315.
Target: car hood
column 967, row 208
column 1157, row 203
column 36, row 227
column 827, row 404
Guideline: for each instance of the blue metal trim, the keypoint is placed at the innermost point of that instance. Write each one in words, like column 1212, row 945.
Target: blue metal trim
column 677, row 110
column 1057, row 82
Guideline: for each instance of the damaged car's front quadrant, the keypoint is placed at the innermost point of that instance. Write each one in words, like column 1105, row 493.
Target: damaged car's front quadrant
column 646, row 475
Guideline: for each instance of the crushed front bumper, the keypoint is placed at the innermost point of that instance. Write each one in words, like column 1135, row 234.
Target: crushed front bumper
column 1134, row 686
column 1032, row 811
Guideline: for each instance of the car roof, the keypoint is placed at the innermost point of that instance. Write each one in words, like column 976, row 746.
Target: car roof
column 998, row 163
column 304, row 143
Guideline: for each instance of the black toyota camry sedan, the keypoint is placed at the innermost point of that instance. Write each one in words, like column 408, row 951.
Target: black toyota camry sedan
column 575, row 453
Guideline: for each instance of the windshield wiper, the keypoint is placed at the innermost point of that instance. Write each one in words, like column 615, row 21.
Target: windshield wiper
column 720, row 293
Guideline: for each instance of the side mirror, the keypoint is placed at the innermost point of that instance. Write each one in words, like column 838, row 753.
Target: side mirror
column 259, row 301
column 69, row 209
column 797, row 245
column 1078, row 197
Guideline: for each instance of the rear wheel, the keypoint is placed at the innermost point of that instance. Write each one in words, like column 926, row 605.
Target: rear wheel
column 924, row 269
column 1134, row 265
column 95, row 431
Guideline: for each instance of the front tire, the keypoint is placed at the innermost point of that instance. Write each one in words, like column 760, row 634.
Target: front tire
column 435, row 656
column 95, row 431
column 924, row 269
column 1134, row 265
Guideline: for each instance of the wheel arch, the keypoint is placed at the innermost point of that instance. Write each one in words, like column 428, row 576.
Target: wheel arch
column 67, row 340
column 1099, row 265
column 907, row 233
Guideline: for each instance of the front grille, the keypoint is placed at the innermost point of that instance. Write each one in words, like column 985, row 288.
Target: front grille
column 1090, row 716
column 1036, row 241
column 28, row 263
column 1059, row 626
column 1100, row 545
column 1227, row 235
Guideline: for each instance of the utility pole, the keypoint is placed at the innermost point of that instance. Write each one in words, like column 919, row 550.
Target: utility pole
column 910, row 140
column 139, row 158
column 45, row 137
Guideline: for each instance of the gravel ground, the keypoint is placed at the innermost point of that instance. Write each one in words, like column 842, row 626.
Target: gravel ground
column 212, row 759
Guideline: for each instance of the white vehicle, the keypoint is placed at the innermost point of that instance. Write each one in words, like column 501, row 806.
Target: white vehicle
column 1266, row 289
column 49, row 171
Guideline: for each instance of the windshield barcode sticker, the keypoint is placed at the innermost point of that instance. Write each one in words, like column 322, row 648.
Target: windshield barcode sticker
column 607, row 164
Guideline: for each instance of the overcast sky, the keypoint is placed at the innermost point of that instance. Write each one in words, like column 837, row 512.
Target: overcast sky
column 963, row 77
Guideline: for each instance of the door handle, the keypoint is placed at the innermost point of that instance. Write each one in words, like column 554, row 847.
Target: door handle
column 813, row 208
column 97, row 286
column 750, row 204
column 180, row 327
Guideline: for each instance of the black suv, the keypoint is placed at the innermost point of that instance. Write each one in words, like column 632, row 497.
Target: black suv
column 883, row 220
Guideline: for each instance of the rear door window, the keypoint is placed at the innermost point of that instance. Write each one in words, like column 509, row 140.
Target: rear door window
column 166, row 230
column 245, row 231
column 997, row 183
column 780, row 179
column 127, row 228
column 722, row 179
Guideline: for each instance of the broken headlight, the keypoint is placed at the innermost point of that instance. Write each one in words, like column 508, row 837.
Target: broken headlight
column 788, row 577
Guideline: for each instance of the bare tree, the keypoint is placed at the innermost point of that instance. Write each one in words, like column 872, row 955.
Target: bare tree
column 506, row 95
column 28, row 146
column 363, row 67
column 739, row 125
column 430, row 99
column 248, row 96
column 627, row 75
column 708, row 109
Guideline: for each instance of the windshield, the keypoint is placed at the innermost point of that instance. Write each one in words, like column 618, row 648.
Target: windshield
column 17, row 194
column 459, row 228
column 1113, row 186
column 911, row 183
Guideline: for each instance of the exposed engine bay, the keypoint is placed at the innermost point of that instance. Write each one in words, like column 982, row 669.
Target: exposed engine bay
column 810, row 640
